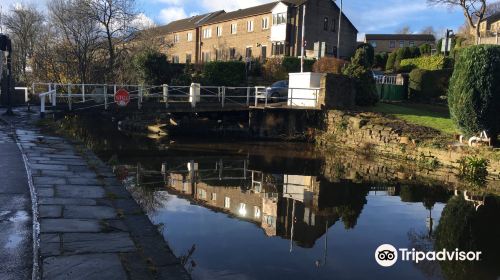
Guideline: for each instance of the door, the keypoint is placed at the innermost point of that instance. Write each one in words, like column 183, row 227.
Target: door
column 263, row 54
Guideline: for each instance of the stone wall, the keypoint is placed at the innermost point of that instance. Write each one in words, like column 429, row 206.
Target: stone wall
column 364, row 133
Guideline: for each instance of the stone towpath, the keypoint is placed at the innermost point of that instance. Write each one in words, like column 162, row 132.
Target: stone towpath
column 90, row 226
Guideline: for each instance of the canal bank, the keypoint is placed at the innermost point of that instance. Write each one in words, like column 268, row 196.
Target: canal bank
column 90, row 226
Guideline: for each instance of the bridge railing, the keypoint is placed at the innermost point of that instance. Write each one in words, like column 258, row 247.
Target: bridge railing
column 102, row 95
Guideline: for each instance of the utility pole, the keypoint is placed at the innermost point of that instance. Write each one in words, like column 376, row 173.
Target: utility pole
column 340, row 25
column 303, row 38
column 6, row 75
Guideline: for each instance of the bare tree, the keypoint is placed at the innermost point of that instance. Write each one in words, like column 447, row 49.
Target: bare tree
column 115, row 18
column 24, row 26
column 474, row 11
column 429, row 30
column 492, row 8
column 79, row 34
column 404, row 30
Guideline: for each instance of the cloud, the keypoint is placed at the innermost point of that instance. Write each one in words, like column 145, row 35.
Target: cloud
column 213, row 5
column 142, row 21
column 171, row 14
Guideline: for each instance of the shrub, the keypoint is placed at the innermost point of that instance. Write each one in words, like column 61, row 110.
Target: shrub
column 435, row 62
column 360, row 70
column 380, row 60
column 391, row 60
column 425, row 49
column 427, row 86
column 229, row 73
column 415, row 52
column 273, row 69
column 369, row 52
column 401, row 54
column 329, row 65
column 152, row 67
column 474, row 94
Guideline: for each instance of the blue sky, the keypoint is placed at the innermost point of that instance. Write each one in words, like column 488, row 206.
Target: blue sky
column 369, row 16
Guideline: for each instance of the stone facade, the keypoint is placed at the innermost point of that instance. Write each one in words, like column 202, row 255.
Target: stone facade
column 392, row 42
column 183, row 47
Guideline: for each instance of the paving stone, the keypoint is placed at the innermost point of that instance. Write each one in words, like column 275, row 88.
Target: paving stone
column 92, row 266
column 82, row 181
column 140, row 226
column 80, row 191
column 45, row 192
column 115, row 225
column 50, row 211
column 66, row 201
column 173, row 272
column 49, row 180
column 57, row 173
column 50, row 245
column 69, row 225
column 136, row 266
column 128, row 206
column 48, row 167
column 90, row 212
column 117, row 192
column 83, row 243
column 154, row 248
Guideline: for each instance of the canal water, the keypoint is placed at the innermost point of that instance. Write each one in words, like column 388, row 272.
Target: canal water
column 243, row 210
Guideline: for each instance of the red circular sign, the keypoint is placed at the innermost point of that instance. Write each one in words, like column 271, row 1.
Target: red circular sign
column 122, row 97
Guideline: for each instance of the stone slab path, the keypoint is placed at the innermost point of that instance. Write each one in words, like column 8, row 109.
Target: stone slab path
column 90, row 226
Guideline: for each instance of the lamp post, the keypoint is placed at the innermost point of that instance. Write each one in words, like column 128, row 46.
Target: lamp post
column 6, row 74
column 303, row 38
column 340, row 25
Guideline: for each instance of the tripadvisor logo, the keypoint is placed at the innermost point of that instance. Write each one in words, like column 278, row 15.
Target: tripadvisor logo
column 386, row 255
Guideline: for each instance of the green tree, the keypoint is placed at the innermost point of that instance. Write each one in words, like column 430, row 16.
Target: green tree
column 380, row 60
column 391, row 60
column 425, row 49
column 360, row 70
column 152, row 67
column 369, row 52
column 474, row 93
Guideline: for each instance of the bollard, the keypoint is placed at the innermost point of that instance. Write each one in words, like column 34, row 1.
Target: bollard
column 165, row 95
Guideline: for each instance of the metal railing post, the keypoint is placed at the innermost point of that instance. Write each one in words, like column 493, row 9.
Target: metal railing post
column 69, row 97
column 223, row 96
column 54, row 96
column 265, row 103
column 42, row 106
column 165, row 95
column 83, row 92
column 248, row 96
column 139, row 100
column 291, row 97
column 105, row 93
column 256, row 98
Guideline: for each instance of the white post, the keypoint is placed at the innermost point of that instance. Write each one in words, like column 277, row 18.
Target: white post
column 54, row 96
column 291, row 97
column 248, row 96
column 256, row 99
column 105, row 93
column 340, row 25
column 83, row 92
column 139, row 100
column 42, row 105
column 69, row 96
column 165, row 95
column 302, row 51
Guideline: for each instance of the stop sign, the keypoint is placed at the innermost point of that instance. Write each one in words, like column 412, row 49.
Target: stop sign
column 122, row 97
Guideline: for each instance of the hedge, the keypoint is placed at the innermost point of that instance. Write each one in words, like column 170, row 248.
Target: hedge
column 329, row 65
column 427, row 86
column 474, row 94
column 435, row 62
column 228, row 73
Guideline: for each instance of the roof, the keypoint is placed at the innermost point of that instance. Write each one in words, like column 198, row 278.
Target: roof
column 187, row 23
column 416, row 37
column 492, row 18
column 242, row 13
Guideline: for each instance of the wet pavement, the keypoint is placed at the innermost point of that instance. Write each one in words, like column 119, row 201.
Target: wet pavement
column 16, row 246
column 90, row 226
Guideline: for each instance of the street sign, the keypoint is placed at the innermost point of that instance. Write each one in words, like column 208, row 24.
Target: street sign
column 122, row 97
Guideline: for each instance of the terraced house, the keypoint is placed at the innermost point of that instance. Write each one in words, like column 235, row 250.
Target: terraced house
column 269, row 30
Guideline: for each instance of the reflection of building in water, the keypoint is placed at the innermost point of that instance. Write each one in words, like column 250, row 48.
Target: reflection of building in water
column 477, row 200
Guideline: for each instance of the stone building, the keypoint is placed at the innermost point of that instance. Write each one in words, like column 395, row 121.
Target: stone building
column 269, row 30
column 392, row 42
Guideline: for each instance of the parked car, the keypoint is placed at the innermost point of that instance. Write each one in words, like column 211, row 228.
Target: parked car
column 277, row 92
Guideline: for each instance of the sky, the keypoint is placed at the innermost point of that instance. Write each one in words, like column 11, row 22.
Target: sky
column 369, row 16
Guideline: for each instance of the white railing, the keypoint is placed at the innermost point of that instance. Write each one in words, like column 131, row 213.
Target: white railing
column 100, row 94
column 387, row 80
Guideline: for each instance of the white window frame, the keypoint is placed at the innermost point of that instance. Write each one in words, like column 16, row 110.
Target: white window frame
column 176, row 38
column 207, row 33
column 219, row 31
column 265, row 23
column 214, row 196
column 250, row 26
column 227, row 202
column 190, row 36
column 234, row 28
column 257, row 212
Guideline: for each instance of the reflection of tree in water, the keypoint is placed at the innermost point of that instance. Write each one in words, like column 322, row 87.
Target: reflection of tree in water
column 462, row 227
column 428, row 195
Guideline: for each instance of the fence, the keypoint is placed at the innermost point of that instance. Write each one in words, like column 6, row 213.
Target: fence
column 102, row 95
column 391, row 88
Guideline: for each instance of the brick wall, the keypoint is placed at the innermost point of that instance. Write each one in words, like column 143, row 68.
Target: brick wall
column 385, row 45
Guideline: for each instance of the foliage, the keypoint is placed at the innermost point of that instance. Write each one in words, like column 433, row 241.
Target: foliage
column 380, row 60
column 404, row 53
column 428, row 86
column 434, row 62
column 273, row 69
column 329, row 65
column 391, row 59
column 292, row 64
column 229, row 73
column 425, row 49
column 474, row 169
column 152, row 67
column 474, row 93
column 370, row 52
column 360, row 70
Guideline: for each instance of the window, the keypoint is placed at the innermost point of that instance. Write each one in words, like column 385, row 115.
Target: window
column 334, row 25
column 392, row 44
column 256, row 212
column 263, row 53
column 214, row 196
column 205, row 56
column 265, row 23
column 243, row 209
column 188, row 58
column 232, row 53
column 219, row 31
column 278, row 48
column 270, row 221
column 202, row 194
column 175, row 59
column 190, row 37
column 176, row 38
column 248, row 52
column 207, row 33
column 412, row 44
column 401, row 44
column 219, row 55
column 227, row 202
column 279, row 18
column 325, row 24
column 250, row 26
column 234, row 28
